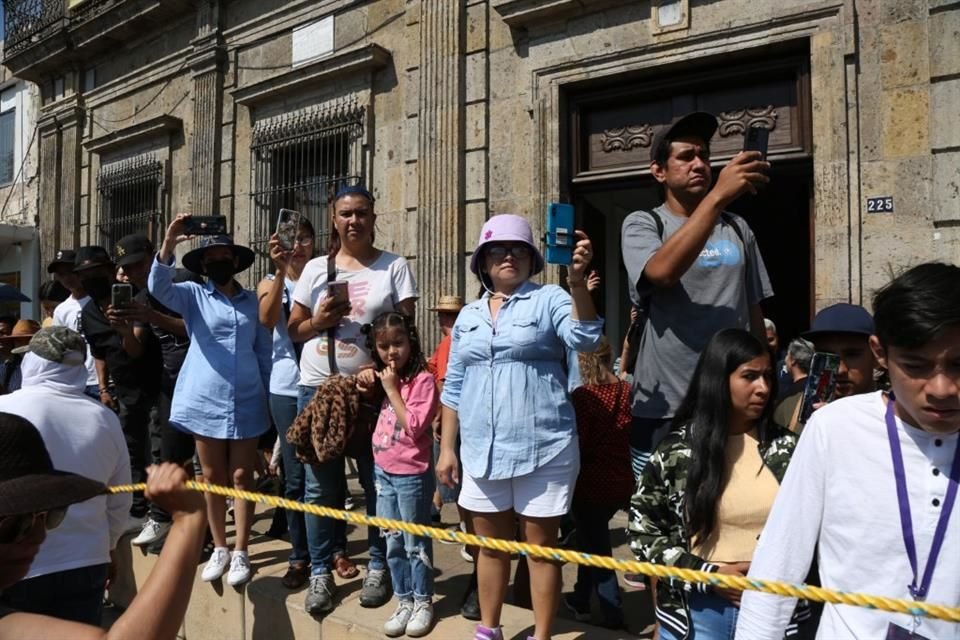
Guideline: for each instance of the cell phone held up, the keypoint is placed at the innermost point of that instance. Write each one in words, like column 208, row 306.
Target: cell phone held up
column 339, row 291
column 121, row 295
column 821, row 383
column 288, row 225
column 757, row 139
column 561, row 238
column 205, row 225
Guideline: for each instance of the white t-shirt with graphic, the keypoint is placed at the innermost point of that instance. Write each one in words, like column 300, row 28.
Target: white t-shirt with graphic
column 373, row 290
column 67, row 314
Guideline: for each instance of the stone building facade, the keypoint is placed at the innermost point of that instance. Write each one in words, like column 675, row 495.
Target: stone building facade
column 452, row 110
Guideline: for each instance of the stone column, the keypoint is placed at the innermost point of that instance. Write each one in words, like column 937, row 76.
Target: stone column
column 440, row 170
column 59, row 216
column 206, row 65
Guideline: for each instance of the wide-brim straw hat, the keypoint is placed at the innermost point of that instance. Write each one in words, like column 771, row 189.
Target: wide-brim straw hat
column 448, row 304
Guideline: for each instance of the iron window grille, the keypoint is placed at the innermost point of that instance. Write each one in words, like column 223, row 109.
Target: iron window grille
column 298, row 161
column 130, row 197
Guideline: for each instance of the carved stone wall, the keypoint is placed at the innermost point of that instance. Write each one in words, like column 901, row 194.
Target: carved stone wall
column 206, row 62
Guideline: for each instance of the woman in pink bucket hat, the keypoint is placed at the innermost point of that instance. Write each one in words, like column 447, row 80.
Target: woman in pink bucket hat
column 505, row 394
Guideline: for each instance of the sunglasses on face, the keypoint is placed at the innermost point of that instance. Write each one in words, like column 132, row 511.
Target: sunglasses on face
column 14, row 529
column 499, row 253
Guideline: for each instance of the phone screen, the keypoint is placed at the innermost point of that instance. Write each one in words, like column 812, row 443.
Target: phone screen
column 121, row 295
column 288, row 225
column 756, row 139
column 821, row 382
column 339, row 291
column 206, row 225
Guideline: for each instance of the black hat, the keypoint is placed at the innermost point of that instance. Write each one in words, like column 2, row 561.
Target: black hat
column 92, row 256
column 699, row 124
column 841, row 318
column 64, row 256
column 132, row 249
column 28, row 481
column 194, row 259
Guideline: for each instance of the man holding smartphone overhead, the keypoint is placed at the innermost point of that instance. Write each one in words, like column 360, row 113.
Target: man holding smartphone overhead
column 127, row 353
column 693, row 268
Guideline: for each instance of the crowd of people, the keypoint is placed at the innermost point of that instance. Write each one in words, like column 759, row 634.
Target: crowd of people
column 521, row 415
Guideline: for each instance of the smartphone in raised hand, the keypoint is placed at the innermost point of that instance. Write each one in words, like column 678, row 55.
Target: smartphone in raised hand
column 757, row 139
column 821, row 383
column 560, row 233
column 121, row 295
column 206, row 225
column 288, row 225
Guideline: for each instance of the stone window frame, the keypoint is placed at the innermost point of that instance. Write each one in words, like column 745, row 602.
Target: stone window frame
column 129, row 181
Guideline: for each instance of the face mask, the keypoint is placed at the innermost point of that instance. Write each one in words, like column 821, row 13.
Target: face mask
column 97, row 287
column 220, row 271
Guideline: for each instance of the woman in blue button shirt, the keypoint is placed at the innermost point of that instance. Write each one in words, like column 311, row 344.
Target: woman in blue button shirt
column 219, row 397
column 506, row 396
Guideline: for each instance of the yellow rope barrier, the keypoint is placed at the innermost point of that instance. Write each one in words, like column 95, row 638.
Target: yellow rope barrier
column 807, row 592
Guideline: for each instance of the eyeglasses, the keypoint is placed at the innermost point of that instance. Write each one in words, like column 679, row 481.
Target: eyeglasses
column 14, row 529
column 500, row 252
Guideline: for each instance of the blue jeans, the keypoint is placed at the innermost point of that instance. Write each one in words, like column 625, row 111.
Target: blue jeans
column 325, row 485
column 409, row 556
column 711, row 618
column 93, row 391
column 73, row 594
column 593, row 537
column 284, row 411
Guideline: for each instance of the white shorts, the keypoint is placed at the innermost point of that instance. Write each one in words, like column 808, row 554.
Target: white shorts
column 543, row 493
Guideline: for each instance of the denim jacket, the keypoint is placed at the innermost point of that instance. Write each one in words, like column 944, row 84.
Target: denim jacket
column 507, row 379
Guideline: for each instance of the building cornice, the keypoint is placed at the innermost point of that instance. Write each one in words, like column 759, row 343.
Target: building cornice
column 368, row 58
column 151, row 128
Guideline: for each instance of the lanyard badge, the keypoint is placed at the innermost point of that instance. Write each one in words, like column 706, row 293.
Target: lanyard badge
column 921, row 582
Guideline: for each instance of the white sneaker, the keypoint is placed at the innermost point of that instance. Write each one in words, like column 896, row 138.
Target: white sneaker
column 216, row 565
column 135, row 524
column 396, row 625
column 465, row 554
column 152, row 531
column 239, row 569
column 421, row 622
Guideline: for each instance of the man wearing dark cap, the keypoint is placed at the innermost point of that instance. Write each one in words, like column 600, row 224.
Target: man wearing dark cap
column 694, row 268
column 35, row 497
column 67, row 313
column 845, row 329
column 68, row 576
column 127, row 355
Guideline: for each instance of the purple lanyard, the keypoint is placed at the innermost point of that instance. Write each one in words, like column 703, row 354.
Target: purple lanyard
column 919, row 592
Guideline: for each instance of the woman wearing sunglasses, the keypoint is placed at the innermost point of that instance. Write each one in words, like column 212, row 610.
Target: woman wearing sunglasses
column 506, row 395
column 34, row 498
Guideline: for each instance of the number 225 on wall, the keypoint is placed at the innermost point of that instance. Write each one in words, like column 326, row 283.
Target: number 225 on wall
column 882, row 204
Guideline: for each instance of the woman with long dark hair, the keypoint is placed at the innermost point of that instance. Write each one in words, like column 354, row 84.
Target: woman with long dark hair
column 704, row 497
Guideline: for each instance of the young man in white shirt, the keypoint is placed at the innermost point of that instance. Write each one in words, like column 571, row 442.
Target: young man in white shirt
column 872, row 485
column 67, row 313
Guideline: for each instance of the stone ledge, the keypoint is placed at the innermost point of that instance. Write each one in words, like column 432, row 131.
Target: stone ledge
column 353, row 61
column 524, row 13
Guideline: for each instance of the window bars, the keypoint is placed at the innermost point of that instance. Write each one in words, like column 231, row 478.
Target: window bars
column 299, row 160
column 130, row 196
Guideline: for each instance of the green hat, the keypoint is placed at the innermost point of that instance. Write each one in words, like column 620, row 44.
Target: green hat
column 57, row 344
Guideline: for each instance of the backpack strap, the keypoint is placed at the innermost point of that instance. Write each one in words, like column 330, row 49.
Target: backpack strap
column 331, row 332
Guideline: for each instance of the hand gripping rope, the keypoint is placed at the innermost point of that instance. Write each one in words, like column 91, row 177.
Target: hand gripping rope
column 806, row 592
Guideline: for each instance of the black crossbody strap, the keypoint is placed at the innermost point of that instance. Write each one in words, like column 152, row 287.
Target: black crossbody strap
column 331, row 332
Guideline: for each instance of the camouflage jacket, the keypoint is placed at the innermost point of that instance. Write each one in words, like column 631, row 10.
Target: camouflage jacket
column 657, row 528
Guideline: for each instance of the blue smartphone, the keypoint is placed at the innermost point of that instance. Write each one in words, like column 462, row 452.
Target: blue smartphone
column 560, row 235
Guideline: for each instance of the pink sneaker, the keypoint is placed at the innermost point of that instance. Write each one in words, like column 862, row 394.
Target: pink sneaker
column 486, row 633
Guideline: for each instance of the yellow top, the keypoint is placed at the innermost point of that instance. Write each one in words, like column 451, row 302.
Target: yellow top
column 744, row 503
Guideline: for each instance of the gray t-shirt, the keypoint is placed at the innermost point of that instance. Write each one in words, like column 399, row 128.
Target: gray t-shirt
column 715, row 293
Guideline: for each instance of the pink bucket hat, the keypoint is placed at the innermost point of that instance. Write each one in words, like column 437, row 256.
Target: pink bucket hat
column 507, row 227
